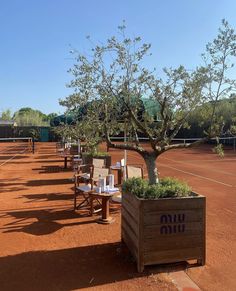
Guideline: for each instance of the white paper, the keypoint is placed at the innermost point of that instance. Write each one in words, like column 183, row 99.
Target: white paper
column 102, row 183
column 111, row 181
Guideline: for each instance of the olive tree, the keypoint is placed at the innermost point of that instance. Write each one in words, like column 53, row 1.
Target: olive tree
column 85, row 132
column 6, row 115
column 113, row 79
column 218, row 60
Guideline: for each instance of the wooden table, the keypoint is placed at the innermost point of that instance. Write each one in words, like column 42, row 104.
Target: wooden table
column 64, row 154
column 105, row 197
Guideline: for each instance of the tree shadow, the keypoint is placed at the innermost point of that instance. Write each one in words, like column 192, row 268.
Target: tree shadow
column 44, row 221
column 47, row 197
column 90, row 266
column 49, row 161
column 38, row 161
column 52, row 169
column 67, row 269
column 7, row 157
column 11, row 189
column 7, row 185
column 48, row 182
column 46, row 156
column 49, row 169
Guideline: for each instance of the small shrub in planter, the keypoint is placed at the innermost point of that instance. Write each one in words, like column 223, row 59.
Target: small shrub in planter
column 163, row 223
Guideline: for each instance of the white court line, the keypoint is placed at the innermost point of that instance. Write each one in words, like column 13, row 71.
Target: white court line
column 7, row 149
column 12, row 157
column 192, row 174
column 199, row 166
column 199, row 176
column 216, row 161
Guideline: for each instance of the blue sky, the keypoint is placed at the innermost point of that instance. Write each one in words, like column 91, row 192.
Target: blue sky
column 36, row 37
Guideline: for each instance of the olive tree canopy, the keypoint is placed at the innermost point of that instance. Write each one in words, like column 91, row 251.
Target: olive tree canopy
column 113, row 79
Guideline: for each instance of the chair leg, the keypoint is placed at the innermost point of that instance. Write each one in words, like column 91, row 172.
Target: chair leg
column 91, row 206
column 86, row 200
column 75, row 200
column 99, row 204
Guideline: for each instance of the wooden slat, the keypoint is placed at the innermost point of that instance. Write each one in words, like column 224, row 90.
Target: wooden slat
column 129, row 242
column 128, row 228
column 203, row 259
column 173, row 216
column 167, row 243
column 192, row 228
column 130, row 198
column 140, row 262
column 173, row 204
column 160, row 257
column 133, row 221
column 128, row 207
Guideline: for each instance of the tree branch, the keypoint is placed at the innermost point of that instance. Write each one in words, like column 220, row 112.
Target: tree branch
column 185, row 145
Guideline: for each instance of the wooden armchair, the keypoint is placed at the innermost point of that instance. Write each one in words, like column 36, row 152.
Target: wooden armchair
column 89, row 178
column 134, row 171
column 84, row 175
column 98, row 163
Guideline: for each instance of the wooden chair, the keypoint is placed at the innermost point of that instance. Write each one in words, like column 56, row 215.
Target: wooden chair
column 59, row 147
column 98, row 163
column 83, row 190
column 89, row 180
column 75, row 162
column 134, row 171
column 97, row 172
column 85, row 171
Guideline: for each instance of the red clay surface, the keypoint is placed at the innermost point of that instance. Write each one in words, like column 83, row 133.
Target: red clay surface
column 45, row 245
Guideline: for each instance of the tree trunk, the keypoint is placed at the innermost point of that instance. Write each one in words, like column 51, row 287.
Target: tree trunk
column 150, row 161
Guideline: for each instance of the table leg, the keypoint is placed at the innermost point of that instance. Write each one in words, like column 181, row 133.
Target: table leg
column 105, row 208
column 119, row 176
column 65, row 163
column 91, row 206
column 106, row 218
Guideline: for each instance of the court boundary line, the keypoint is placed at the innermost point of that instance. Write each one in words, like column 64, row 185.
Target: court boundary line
column 8, row 149
column 2, row 164
column 199, row 166
column 192, row 174
column 198, row 176
column 30, row 140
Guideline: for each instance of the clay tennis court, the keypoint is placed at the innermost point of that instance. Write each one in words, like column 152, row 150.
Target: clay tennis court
column 45, row 245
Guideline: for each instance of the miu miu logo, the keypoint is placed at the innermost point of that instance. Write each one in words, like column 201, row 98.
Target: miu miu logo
column 173, row 223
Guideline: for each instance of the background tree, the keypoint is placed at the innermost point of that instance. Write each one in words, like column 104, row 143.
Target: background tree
column 50, row 117
column 218, row 60
column 113, row 78
column 6, row 115
column 199, row 120
column 27, row 116
column 86, row 133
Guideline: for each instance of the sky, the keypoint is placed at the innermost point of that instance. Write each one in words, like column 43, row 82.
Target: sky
column 36, row 37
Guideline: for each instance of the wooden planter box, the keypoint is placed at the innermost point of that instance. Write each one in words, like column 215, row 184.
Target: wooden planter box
column 164, row 230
